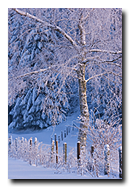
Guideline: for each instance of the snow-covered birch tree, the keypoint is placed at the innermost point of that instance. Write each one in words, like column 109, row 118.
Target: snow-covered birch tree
column 73, row 44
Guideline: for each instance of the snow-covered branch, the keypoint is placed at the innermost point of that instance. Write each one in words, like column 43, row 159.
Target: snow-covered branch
column 84, row 18
column 103, row 51
column 49, row 25
column 96, row 76
column 101, row 74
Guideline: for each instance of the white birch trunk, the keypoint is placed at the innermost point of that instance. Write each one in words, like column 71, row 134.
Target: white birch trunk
column 107, row 160
column 83, row 106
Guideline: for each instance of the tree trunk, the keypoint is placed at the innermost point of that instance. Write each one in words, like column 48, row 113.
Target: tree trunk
column 83, row 106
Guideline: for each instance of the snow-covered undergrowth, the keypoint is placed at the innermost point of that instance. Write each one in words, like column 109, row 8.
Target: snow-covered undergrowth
column 38, row 152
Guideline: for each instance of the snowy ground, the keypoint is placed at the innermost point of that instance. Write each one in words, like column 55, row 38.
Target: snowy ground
column 18, row 169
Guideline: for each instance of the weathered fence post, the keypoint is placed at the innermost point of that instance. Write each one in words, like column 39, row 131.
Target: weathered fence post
column 107, row 160
column 92, row 150
column 55, row 139
column 16, row 144
column 62, row 135
column 78, row 152
column 10, row 142
column 22, row 147
column 67, row 130
column 30, row 148
column 22, row 140
column 35, row 151
column 92, row 155
column 52, row 150
column 30, row 143
column 56, row 151
column 59, row 139
column 120, row 162
column 65, row 152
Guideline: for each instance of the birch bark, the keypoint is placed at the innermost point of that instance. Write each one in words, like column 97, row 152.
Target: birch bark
column 83, row 106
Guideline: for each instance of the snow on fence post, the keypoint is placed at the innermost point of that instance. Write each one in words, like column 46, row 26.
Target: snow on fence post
column 52, row 150
column 65, row 152
column 107, row 160
column 35, row 141
column 78, row 152
column 120, row 162
column 62, row 135
column 55, row 139
column 57, row 151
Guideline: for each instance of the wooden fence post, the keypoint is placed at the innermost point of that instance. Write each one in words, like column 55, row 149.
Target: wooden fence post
column 30, row 148
column 59, row 139
column 22, row 147
column 56, row 151
column 52, row 150
column 16, row 144
column 10, row 142
column 92, row 152
column 107, row 160
column 55, row 139
column 120, row 162
column 65, row 152
column 22, row 140
column 67, row 130
column 78, row 152
column 30, row 143
column 35, row 151
column 62, row 135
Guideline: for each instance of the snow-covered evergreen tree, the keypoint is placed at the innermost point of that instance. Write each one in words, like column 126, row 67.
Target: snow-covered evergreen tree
column 39, row 109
